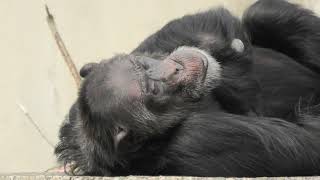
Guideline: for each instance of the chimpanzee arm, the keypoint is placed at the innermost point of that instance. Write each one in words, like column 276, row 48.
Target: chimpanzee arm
column 287, row 28
column 231, row 145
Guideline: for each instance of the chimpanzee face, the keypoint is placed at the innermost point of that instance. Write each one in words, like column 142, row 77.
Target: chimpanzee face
column 135, row 92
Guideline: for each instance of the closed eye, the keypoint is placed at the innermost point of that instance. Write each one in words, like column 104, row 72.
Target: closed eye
column 179, row 68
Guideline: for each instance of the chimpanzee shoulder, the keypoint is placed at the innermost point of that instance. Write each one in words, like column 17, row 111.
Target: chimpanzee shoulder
column 212, row 26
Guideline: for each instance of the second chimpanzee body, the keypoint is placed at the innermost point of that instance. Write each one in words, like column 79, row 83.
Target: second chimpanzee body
column 217, row 106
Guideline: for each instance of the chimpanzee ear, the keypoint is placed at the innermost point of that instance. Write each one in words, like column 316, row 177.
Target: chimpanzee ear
column 237, row 45
column 120, row 134
column 87, row 68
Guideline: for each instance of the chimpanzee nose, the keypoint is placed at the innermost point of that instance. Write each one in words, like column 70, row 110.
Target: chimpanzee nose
column 162, row 71
column 159, row 70
column 148, row 63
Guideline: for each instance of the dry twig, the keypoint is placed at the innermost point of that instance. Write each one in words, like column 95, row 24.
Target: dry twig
column 34, row 124
column 66, row 56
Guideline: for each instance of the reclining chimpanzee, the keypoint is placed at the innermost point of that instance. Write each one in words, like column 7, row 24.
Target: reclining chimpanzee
column 207, row 95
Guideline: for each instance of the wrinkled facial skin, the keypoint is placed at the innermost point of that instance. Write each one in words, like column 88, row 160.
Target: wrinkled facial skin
column 187, row 73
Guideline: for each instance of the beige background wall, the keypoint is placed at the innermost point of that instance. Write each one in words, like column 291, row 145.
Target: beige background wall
column 33, row 74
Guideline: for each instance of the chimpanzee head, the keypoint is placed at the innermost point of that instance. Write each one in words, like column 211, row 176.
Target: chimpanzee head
column 140, row 96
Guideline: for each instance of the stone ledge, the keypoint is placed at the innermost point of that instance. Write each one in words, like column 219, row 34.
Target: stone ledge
column 54, row 177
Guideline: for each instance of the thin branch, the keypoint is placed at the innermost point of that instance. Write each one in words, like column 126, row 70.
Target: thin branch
column 66, row 56
column 34, row 124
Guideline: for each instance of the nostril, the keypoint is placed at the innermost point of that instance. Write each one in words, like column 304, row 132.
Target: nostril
column 144, row 66
column 149, row 71
column 147, row 63
column 141, row 64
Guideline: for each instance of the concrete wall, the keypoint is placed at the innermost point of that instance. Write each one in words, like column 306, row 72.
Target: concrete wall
column 33, row 75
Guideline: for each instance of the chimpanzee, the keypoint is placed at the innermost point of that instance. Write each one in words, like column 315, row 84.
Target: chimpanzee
column 207, row 95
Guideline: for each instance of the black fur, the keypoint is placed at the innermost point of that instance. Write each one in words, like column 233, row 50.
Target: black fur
column 262, row 120
column 286, row 28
